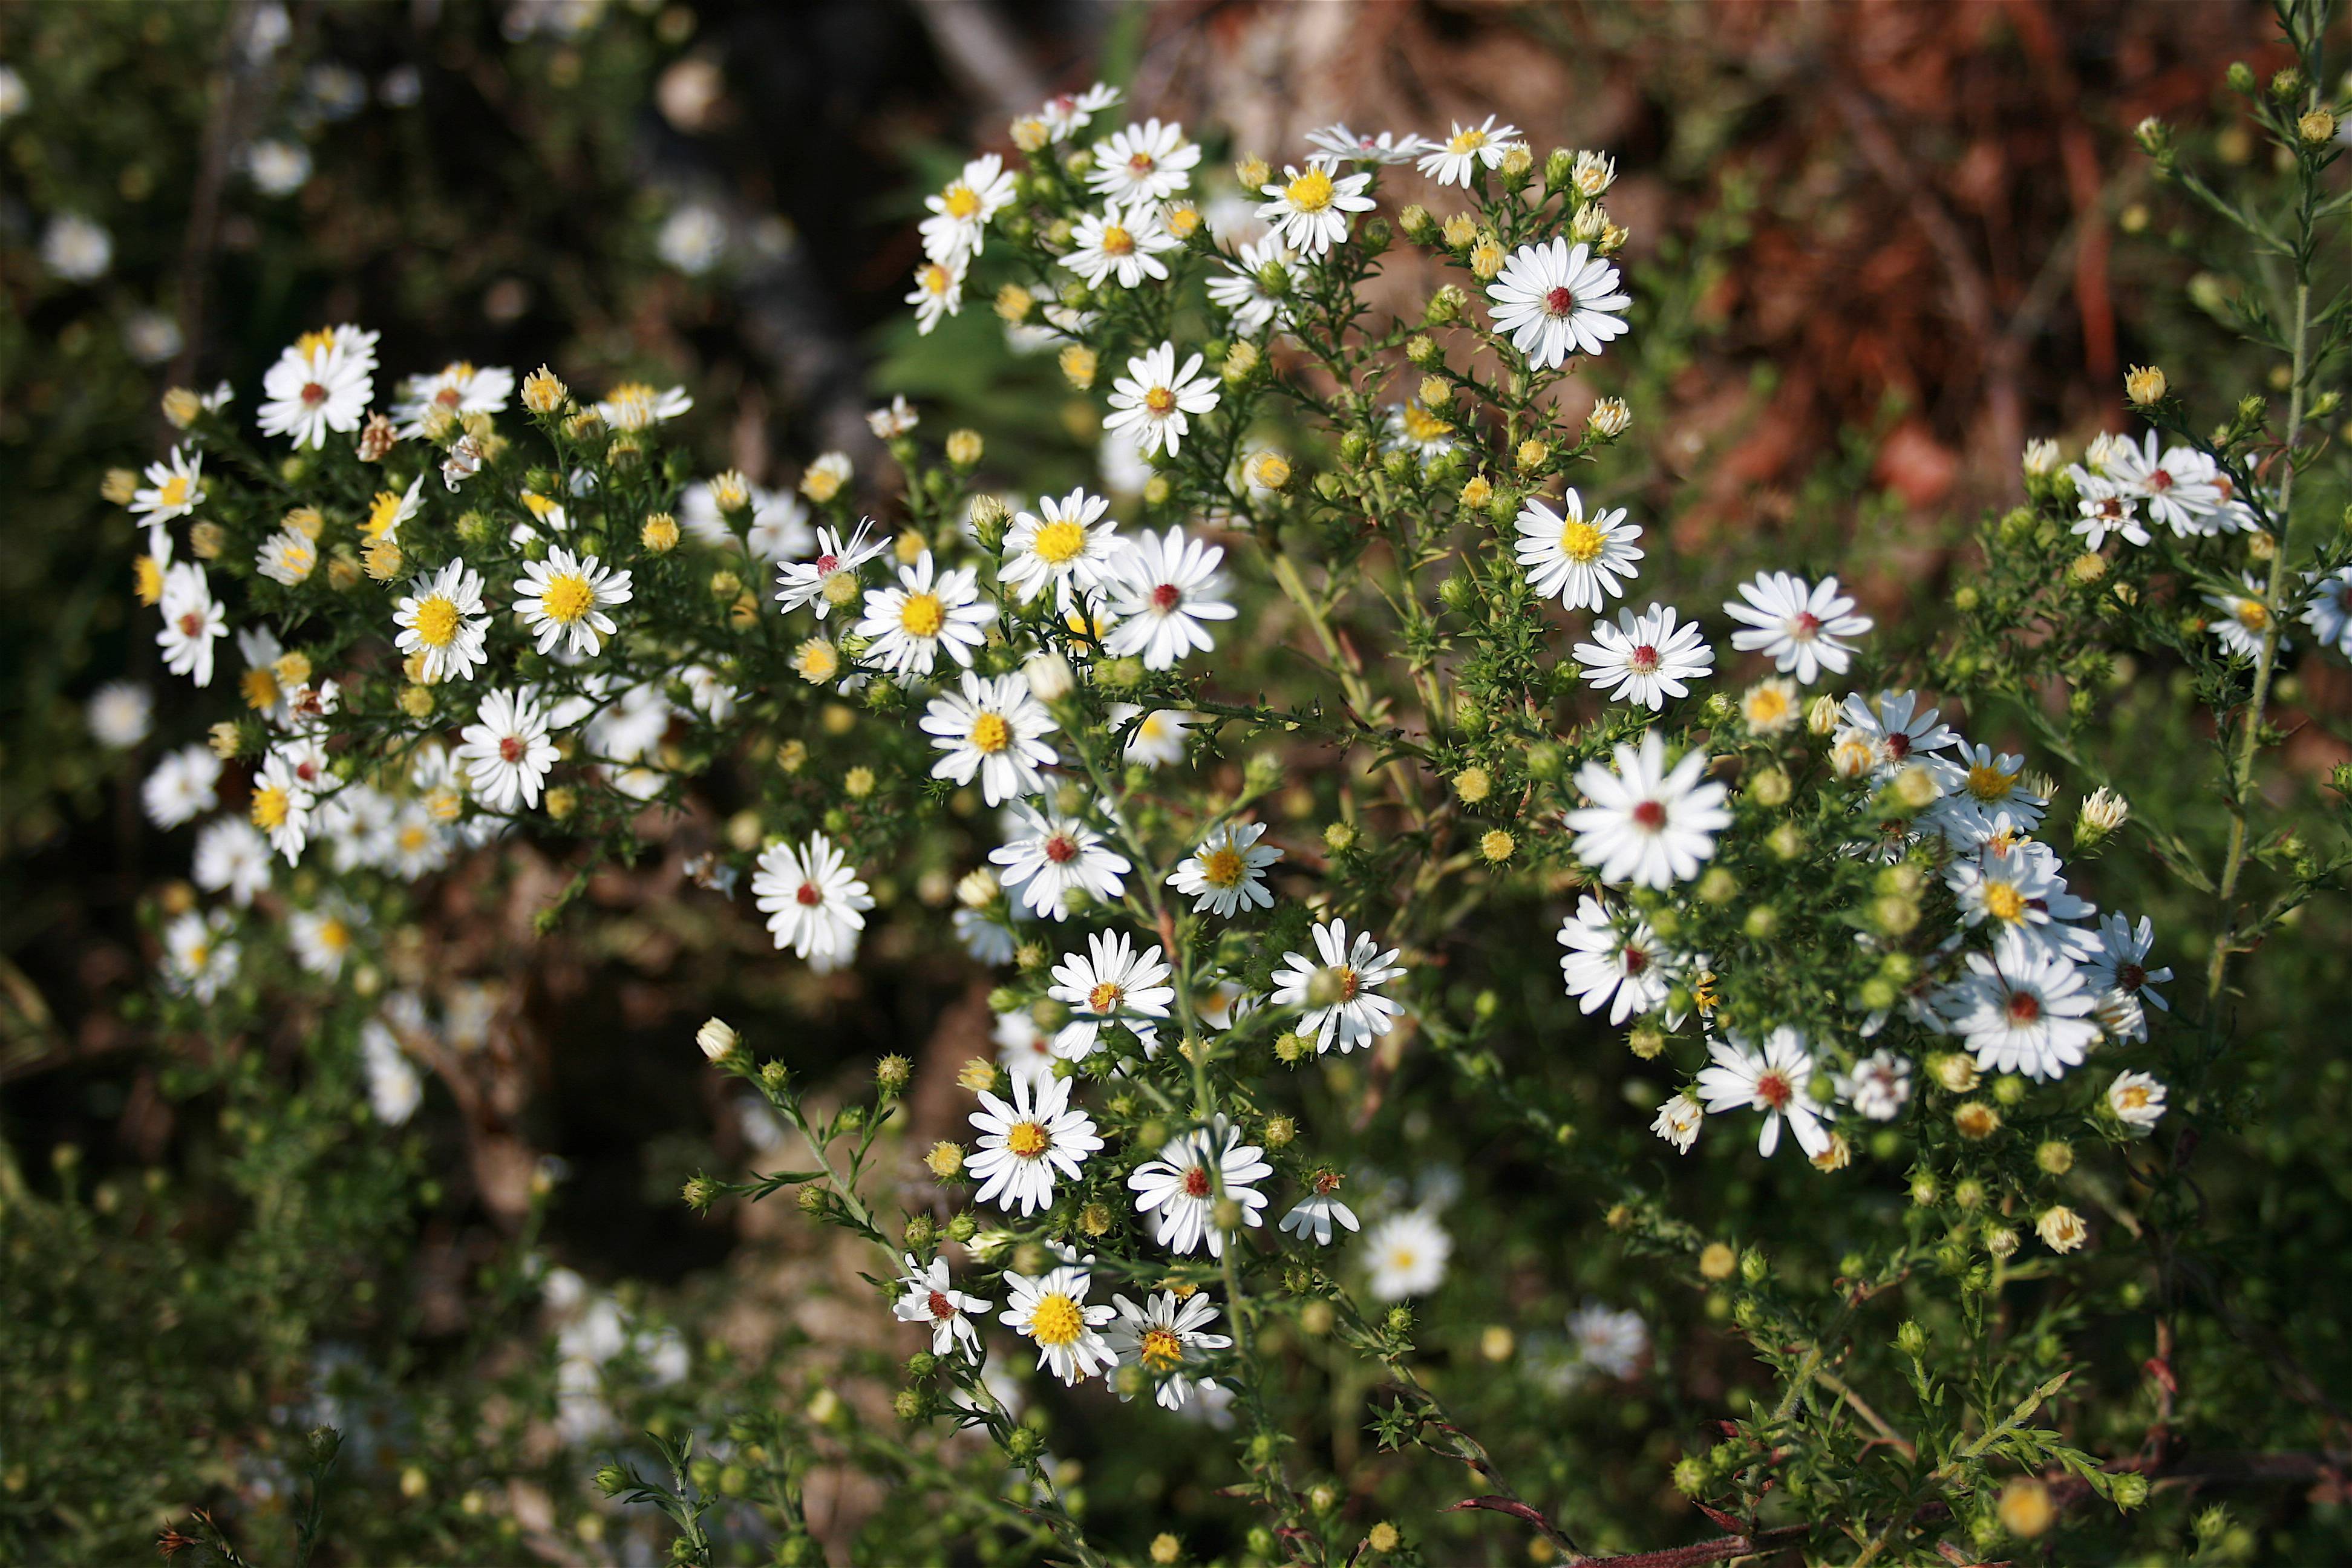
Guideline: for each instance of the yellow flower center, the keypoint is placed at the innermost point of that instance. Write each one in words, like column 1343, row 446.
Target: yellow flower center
column 539, row 505
column 1160, row 401
column 334, row 935
column 1106, row 997
column 935, row 278
column 382, row 515
column 1055, row 1321
column 1058, row 542
column 2253, row 616
column 437, row 621
column 989, row 734
column 1466, row 141
column 446, row 804
column 1117, row 241
column 147, row 580
column 961, row 201
column 1769, row 706
column 567, row 597
column 174, row 491
column 1988, row 782
column 1310, row 192
column 413, row 839
column 2133, row 1097
column 1160, row 1349
column 260, row 688
column 1421, row 424
column 816, row 660
column 269, row 807
column 1028, row 1139
column 1402, row 1258
column 922, row 614
column 1222, row 867
column 199, row 955
column 1580, row 541
column 2003, row 901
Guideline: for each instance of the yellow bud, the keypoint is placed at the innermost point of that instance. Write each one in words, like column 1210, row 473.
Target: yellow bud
column 1486, row 258
column 181, row 407
column 2316, row 128
column 1013, row 303
column 417, row 701
column 964, row 448
column 121, row 486
column 660, row 533
column 560, row 802
column 1460, row 230
column 1252, row 173
column 1269, row 470
column 2145, row 384
column 1477, row 492
column 1077, row 363
column 945, row 1160
column 543, row 393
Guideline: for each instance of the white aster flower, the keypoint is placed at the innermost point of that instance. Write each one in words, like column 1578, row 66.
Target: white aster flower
column 1315, row 1216
column 1162, row 1337
column 1609, row 1340
column 1406, row 1255
column 1338, row 996
column 938, row 293
column 958, row 227
column 1991, row 785
column 898, row 419
column 2138, row 1101
column 1152, row 401
column 76, row 249
column 2176, row 484
column 2118, row 976
column 1069, row 545
column 506, row 753
column 232, row 857
column 1183, row 1185
column 1150, row 162
column 324, row 381
column 1645, row 659
column 778, row 530
column 1240, row 289
column 1799, row 626
column 1226, row 874
column 199, row 957
column 927, row 610
column 2328, row 612
column 830, row 580
column 693, row 239
column 1157, row 739
column 2103, row 507
column 1055, row 857
column 1121, row 245
column 932, row 1298
column 992, row 728
column 442, row 621
column 2022, row 1008
column 563, row 599
column 1678, row 1121
column 1066, row 112
column 174, row 489
column 1586, row 562
column 1469, row 149
column 1309, row 211
column 1387, row 147
column 1647, row 825
column 1411, row 427
column 1878, row 1088
column 1051, row 1312
column 193, row 621
column 322, row 938
column 639, row 405
column 1776, row 1080
column 1110, row 982
column 282, row 804
column 287, row 557
column 1023, row 1048
column 394, row 1087
column 1166, row 585
column 2013, row 884
column 1553, row 300
column 459, row 387
column 184, row 787
column 2246, row 619
column 815, row 901
column 1624, row 967
column 1026, row 1143
column 121, row 713
column 1898, row 732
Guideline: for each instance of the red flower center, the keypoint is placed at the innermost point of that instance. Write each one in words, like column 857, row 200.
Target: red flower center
column 1774, row 1089
column 1635, row 959
column 1060, row 849
column 825, row 564
column 1650, row 815
column 1898, row 745
column 1644, row 660
column 448, row 397
column 1561, row 301
column 941, row 1305
column 313, row 394
column 2130, row 976
column 1196, row 1181
column 1142, row 163
column 191, row 623
column 1806, row 627
column 1166, row 597
column 2159, row 481
column 810, row 895
column 2024, row 1008
column 511, row 748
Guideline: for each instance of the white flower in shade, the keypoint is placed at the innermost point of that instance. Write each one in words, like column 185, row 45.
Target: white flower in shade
column 232, row 857
column 287, row 557
column 199, row 957
column 1776, row 1080
column 282, row 804
column 1226, row 874
column 324, row 381
column 778, row 530
column 121, row 713
column 2177, row 483
column 505, row 751
column 1146, row 163
column 1898, row 732
column 927, row 610
column 1315, row 1215
column 958, row 227
column 193, row 622
column 2246, row 619
column 394, row 1087
column 815, row 901
column 1068, row 544
column 1309, row 211
column 2118, row 975
column 77, row 249
column 1166, row 586
column 1878, row 1088
column 1411, row 427
column 174, row 489
column 277, row 168
column 992, row 728
column 693, row 239
column 456, row 388
column 709, row 691
column 932, row 1299
column 1121, row 245
column 898, row 419
column 184, row 787
column 1339, row 997
column 1609, row 1341
column 1678, row 1121
column 638, row 406
column 442, row 621
column 1991, row 785
column 1152, row 401
column 1183, row 1184
column 1162, row 1337
column 1467, row 150
column 1647, row 824
column 1051, row 1312
column 420, row 844
column 1624, row 967
column 1158, row 738
column 2329, row 612
column 563, row 599
column 1387, row 147
column 1023, row 1049
column 2105, row 506
column 2013, row 884
column 1055, row 857
column 1555, row 299
column 1586, row 562
column 2022, row 1008
column 938, row 293
column 2138, row 1101
column 1406, row 1255
column 1065, row 112
column 1799, row 627
column 1645, row 659
column 1240, row 289
column 1026, row 1143
column 322, row 938
column 830, row 580
column 1110, row 982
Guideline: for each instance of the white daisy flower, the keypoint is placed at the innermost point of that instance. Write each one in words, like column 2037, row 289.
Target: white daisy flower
column 1678, row 1121
column 2118, row 976
column 958, row 227
column 281, row 804
column 1051, row 1312
column 1183, row 1184
column 1776, row 1080
column 830, row 580
column 1314, row 1216
column 2016, row 889
column 1387, row 147
column 1411, row 427
column 442, row 620
column 1586, row 562
column 1068, row 544
column 193, row 622
column 322, row 938
column 394, row 1087
column 2329, row 612
column 1626, row 967
column 121, row 713
column 1645, row 659
column 76, row 249
column 1152, row 401
column 1309, row 211
column 174, row 489
column 2176, row 484
column 1226, row 874
column 1146, row 163
column 1162, row 1337
column 815, row 901
column 199, row 957
column 1647, row 825
column 1554, row 300
column 2023, row 1008
column 1110, row 982
column 420, row 844
column 563, row 599
column 1897, row 733
column 1026, row 1143
column 889, row 424
column 456, row 388
column 1241, row 290
column 709, row 691
column 908, row 624
column 938, row 293
column 506, row 753
column 184, row 787
column 1065, row 112
column 2246, row 619
column 1158, row 738
column 2138, row 1101
column 324, row 381
column 232, row 857
column 287, row 557
column 1799, row 626
column 932, row 1298
column 639, row 405
column 2103, row 507
column 1609, row 1341
column 1878, row 1088
column 992, row 728
column 1467, row 150
column 1991, row 785
column 1054, row 856
column 1406, row 1255
column 1338, row 996
column 1165, row 586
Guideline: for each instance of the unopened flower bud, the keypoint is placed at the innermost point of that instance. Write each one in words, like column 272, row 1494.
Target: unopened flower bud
column 2145, row 384
column 718, row 1040
column 2061, row 1228
column 944, row 1159
column 1077, row 363
column 2316, row 128
column 181, row 406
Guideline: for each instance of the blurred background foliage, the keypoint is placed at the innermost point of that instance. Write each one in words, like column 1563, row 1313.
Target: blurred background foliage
column 1876, row 248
